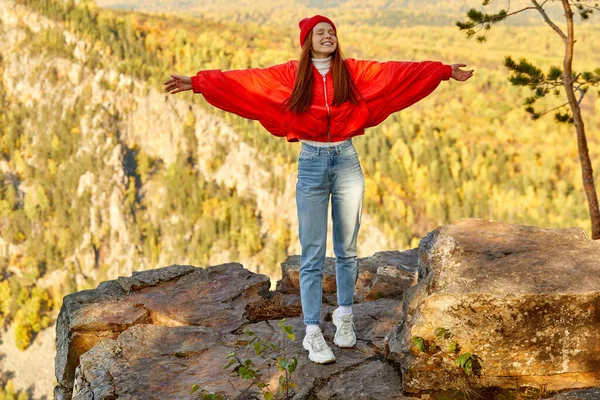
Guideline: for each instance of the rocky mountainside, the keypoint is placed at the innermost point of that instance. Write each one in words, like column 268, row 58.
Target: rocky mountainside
column 518, row 305
column 145, row 120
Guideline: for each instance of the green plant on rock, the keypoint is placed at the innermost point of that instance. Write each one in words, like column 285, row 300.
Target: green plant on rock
column 274, row 355
column 443, row 340
column 419, row 343
column 444, row 345
column 205, row 394
column 466, row 360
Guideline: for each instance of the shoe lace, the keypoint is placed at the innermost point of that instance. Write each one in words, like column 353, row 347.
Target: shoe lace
column 318, row 341
column 347, row 326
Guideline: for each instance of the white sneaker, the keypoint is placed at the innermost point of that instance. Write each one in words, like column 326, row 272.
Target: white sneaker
column 344, row 334
column 318, row 350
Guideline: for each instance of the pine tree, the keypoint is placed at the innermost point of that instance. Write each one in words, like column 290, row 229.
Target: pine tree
column 525, row 73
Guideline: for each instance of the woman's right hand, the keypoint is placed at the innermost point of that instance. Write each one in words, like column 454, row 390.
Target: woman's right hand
column 178, row 83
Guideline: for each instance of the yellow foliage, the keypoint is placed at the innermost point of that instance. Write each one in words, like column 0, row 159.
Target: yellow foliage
column 52, row 167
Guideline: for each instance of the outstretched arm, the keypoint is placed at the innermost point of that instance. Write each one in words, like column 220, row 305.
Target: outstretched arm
column 391, row 86
column 254, row 93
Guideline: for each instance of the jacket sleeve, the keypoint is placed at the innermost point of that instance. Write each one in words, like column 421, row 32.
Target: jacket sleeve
column 255, row 93
column 388, row 87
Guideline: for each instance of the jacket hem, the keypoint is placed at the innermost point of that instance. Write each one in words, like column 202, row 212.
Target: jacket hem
column 294, row 137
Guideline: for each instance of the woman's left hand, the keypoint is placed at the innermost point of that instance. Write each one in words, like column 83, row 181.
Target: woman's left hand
column 178, row 83
column 459, row 74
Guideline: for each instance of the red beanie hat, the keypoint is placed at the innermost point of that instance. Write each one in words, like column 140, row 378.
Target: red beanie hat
column 308, row 23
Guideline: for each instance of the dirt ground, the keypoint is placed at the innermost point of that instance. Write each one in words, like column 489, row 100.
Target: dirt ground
column 32, row 369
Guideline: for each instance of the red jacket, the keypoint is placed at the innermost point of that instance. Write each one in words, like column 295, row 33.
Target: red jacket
column 258, row 93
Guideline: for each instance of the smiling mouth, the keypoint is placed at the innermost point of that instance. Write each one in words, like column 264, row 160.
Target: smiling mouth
column 327, row 43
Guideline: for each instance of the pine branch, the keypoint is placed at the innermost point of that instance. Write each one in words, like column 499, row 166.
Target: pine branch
column 548, row 20
column 589, row 78
column 581, row 94
column 520, row 11
column 593, row 82
column 584, row 8
column 553, row 109
column 478, row 20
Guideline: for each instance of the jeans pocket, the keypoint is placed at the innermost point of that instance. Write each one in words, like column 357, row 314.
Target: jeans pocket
column 348, row 153
column 307, row 155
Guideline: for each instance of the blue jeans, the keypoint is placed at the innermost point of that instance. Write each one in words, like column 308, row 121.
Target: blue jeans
column 325, row 171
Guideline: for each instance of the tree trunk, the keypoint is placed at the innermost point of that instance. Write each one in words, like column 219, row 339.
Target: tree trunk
column 584, row 156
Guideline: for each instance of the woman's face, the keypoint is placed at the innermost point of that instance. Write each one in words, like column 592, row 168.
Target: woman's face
column 324, row 41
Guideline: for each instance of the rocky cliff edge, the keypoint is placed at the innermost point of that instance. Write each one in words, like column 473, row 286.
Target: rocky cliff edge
column 480, row 307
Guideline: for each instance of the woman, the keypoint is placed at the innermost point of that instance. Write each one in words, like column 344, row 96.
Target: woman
column 323, row 100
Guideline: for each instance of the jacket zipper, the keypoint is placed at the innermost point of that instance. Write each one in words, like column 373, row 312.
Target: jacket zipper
column 327, row 105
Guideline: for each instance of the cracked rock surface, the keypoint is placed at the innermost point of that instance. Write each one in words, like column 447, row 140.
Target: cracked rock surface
column 160, row 362
column 155, row 334
column 174, row 296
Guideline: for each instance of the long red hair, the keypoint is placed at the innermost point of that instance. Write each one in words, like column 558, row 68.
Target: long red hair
column 343, row 87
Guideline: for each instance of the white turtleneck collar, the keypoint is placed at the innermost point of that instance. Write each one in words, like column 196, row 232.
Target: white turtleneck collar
column 322, row 64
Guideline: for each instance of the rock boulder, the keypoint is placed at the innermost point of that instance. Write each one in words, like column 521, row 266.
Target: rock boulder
column 524, row 302
column 384, row 274
column 177, row 295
